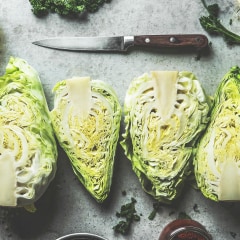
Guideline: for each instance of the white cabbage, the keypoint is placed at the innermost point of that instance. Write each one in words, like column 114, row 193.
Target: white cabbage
column 165, row 112
column 86, row 118
column 28, row 151
column 217, row 162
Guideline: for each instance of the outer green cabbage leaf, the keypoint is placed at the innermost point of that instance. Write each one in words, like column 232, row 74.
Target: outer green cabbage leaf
column 217, row 162
column 165, row 112
column 86, row 119
column 28, row 151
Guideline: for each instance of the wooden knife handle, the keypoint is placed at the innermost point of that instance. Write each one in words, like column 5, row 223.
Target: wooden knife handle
column 197, row 41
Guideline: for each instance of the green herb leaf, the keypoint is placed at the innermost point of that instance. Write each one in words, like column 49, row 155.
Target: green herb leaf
column 128, row 212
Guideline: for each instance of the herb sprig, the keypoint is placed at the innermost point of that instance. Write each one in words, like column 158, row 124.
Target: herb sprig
column 213, row 25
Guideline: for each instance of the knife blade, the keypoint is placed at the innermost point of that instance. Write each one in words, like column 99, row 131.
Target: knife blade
column 124, row 43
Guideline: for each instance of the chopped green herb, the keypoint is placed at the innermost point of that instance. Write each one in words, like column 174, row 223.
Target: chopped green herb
column 152, row 214
column 128, row 212
column 65, row 7
column 195, row 208
column 124, row 193
column 156, row 207
column 233, row 234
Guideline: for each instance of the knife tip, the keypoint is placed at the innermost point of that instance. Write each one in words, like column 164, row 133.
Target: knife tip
column 35, row 43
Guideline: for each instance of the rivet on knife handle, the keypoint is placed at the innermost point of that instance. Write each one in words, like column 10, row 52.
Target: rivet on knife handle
column 197, row 41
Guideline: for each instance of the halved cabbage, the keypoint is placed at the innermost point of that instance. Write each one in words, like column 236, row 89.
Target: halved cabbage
column 217, row 162
column 164, row 114
column 86, row 118
column 28, row 151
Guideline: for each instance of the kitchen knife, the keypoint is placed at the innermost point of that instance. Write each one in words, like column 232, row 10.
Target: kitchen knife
column 124, row 43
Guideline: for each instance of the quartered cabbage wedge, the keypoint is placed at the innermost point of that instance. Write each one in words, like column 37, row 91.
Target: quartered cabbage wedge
column 164, row 114
column 217, row 162
column 28, row 151
column 86, row 119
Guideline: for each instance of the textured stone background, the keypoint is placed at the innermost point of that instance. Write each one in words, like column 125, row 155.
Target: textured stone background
column 66, row 207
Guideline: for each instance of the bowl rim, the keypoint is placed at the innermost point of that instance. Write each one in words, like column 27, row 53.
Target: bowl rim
column 72, row 235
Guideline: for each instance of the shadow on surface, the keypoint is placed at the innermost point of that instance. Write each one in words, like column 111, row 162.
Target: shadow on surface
column 29, row 225
column 26, row 224
column 198, row 54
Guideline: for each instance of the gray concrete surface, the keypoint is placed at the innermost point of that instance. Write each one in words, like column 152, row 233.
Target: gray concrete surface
column 66, row 207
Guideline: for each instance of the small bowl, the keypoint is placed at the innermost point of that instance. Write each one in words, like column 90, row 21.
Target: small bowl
column 81, row 236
